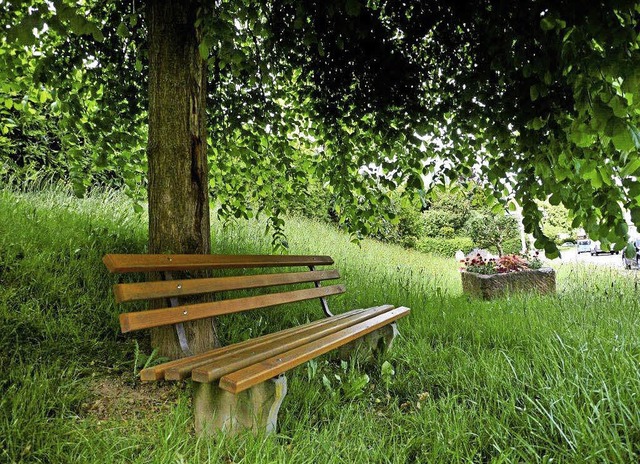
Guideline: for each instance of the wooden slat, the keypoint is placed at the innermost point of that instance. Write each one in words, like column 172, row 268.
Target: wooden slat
column 238, row 359
column 171, row 288
column 242, row 379
column 158, row 263
column 166, row 316
column 183, row 366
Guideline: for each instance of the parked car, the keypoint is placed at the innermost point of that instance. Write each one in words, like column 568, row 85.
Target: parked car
column 596, row 250
column 584, row 246
column 628, row 263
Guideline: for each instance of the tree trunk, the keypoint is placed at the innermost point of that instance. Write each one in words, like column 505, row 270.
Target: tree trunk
column 177, row 150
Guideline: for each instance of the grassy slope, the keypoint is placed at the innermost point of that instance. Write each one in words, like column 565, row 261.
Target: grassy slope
column 524, row 379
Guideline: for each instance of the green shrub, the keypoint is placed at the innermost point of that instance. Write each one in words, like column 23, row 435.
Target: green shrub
column 444, row 246
column 447, row 232
column 410, row 220
column 455, row 204
column 512, row 246
column 407, row 226
column 410, row 241
column 435, row 220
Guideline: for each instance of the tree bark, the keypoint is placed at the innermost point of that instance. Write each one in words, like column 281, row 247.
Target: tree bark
column 177, row 150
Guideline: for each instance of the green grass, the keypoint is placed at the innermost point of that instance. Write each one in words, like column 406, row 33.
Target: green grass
column 523, row 379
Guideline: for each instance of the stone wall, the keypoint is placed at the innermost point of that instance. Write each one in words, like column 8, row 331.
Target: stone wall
column 492, row 286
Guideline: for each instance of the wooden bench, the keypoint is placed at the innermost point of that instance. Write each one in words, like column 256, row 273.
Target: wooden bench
column 241, row 385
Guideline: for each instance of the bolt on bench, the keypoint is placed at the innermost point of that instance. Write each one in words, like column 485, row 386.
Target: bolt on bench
column 241, row 385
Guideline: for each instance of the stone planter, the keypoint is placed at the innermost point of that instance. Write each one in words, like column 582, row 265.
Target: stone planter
column 493, row 286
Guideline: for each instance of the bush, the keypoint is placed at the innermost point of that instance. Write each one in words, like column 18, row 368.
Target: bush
column 455, row 203
column 512, row 246
column 447, row 232
column 444, row 246
column 435, row 220
column 316, row 203
column 406, row 228
column 410, row 220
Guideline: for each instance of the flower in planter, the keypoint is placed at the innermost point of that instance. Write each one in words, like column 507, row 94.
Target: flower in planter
column 502, row 265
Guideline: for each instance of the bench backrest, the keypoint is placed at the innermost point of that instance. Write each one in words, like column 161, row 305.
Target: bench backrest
column 171, row 289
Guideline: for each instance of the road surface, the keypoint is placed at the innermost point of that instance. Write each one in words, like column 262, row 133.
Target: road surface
column 571, row 256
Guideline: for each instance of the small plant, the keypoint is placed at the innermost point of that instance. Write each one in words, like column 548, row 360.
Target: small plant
column 142, row 361
column 512, row 263
column 502, row 265
column 386, row 373
column 534, row 260
column 349, row 385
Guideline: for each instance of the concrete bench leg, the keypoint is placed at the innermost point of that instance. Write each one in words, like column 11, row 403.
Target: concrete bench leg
column 254, row 409
column 371, row 345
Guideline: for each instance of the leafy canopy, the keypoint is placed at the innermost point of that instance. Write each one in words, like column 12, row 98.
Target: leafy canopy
column 536, row 99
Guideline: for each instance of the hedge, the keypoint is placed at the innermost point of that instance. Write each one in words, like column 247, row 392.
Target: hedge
column 444, row 246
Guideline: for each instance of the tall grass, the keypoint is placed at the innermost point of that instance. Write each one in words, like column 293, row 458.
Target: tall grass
column 521, row 379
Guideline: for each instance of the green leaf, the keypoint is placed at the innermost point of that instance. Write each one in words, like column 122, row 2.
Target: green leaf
column 551, row 250
column 538, row 123
column 635, row 215
column 635, row 135
column 534, row 93
column 122, row 30
column 582, row 137
column 547, row 24
column 618, row 106
column 630, row 251
column 605, row 175
column 631, row 168
column 23, row 32
column 602, row 114
column 554, row 200
column 622, row 229
column 415, row 182
column 204, row 50
column 591, row 174
column 386, row 370
column 97, row 35
column 622, row 138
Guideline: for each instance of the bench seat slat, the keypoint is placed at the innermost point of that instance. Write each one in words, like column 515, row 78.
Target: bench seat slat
column 182, row 367
column 157, row 263
column 174, row 288
column 239, row 359
column 166, row 316
column 242, row 379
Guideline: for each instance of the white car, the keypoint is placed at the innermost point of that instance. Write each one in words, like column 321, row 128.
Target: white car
column 584, row 246
column 596, row 250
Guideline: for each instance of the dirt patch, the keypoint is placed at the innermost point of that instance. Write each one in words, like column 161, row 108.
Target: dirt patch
column 118, row 398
